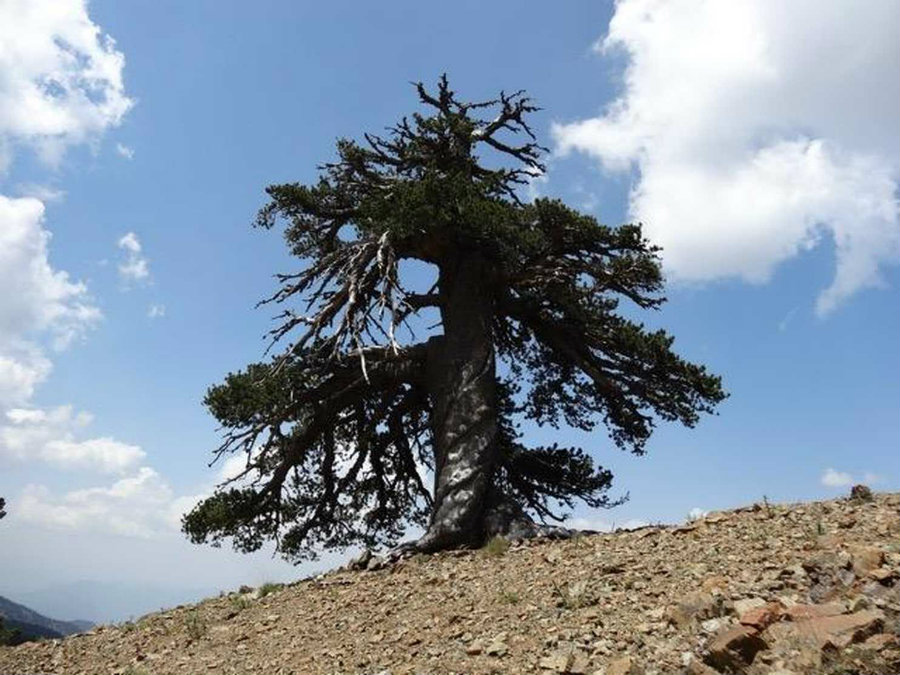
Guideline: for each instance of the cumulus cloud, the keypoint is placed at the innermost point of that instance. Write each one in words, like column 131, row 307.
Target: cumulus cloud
column 33, row 434
column 37, row 300
column 139, row 505
column 135, row 266
column 748, row 150
column 61, row 81
column 833, row 478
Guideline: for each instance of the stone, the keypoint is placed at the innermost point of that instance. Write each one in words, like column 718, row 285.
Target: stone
column 498, row 646
column 696, row 667
column 837, row 631
column 741, row 607
column 865, row 559
column 558, row 661
column 621, row 666
column 360, row 561
column 375, row 563
column 761, row 617
column 711, row 625
column 475, row 648
column 695, row 606
column 800, row 612
column 861, row 493
column 734, row 648
column 882, row 575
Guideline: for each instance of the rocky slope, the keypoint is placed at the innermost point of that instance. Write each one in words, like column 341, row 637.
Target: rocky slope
column 808, row 588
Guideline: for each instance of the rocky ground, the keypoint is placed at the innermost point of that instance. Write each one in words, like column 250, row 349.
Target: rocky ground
column 804, row 588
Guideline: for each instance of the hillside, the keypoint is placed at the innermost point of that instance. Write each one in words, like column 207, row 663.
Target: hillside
column 35, row 625
column 769, row 588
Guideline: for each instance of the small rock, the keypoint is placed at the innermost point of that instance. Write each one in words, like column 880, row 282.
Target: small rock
column 760, row 617
column 741, row 607
column 475, row 648
column 695, row 606
column 620, row 666
column 360, row 561
column 879, row 641
column 376, row 563
column 734, row 648
column 882, row 575
column 711, row 625
column 559, row 661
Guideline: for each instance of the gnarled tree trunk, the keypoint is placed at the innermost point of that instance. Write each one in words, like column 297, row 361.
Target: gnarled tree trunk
column 463, row 387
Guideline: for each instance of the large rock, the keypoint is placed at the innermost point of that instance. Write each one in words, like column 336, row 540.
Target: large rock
column 836, row 631
column 696, row 606
column 734, row 649
column 865, row 559
column 802, row 612
column 761, row 616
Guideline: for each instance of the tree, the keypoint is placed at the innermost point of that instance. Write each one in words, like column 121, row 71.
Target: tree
column 2, row 506
column 340, row 426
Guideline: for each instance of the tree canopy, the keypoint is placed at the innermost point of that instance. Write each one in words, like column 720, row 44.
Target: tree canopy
column 355, row 429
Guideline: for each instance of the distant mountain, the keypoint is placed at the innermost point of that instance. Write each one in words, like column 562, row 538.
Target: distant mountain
column 105, row 602
column 34, row 625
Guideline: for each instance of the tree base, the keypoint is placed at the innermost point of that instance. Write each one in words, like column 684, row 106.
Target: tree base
column 505, row 519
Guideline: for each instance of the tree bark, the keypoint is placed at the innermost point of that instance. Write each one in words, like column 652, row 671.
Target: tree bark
column 463, row 387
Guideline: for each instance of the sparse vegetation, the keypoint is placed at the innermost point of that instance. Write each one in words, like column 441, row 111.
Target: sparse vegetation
column 495, row 547
column 238, row 602
column 194, row 624
column 268, row 588
column 509, row 597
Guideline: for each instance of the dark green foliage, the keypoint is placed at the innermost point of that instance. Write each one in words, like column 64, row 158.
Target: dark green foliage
column 338, row 428
column 10, row 636
column 2, row 505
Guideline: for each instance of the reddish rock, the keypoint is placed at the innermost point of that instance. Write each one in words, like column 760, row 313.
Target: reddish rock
column 734, row 648
column 802, row 612
column 837, row 631
column 760, row 617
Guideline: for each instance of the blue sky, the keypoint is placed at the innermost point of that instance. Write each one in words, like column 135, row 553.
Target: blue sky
column 772, row 186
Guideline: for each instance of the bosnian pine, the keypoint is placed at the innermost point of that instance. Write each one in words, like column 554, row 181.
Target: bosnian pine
column 356, row 430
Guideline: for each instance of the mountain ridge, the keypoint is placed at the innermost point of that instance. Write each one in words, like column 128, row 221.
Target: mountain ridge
column 34, row 625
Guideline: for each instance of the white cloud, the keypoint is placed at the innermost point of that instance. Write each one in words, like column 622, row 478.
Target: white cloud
column 124, row 151
column 135, row 266
column 139, row 505
column 61, row 78
column 749, row 149
column 695, row 513
column 37, row 302
column 32, row 434
column 156, row 311
column 832, row 478
column 44, row 193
